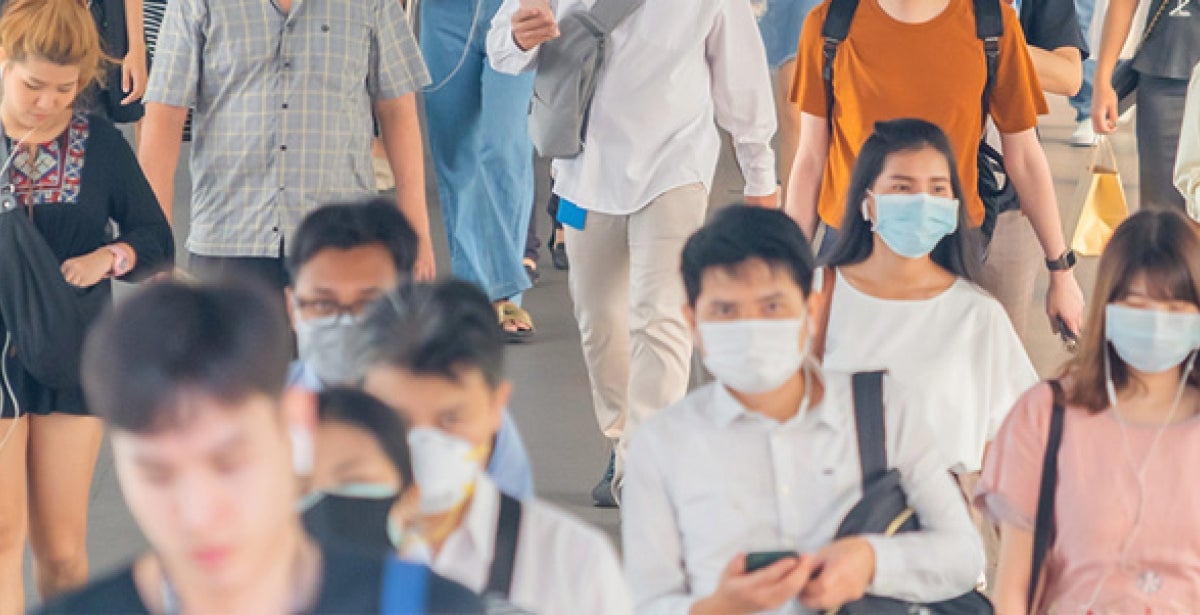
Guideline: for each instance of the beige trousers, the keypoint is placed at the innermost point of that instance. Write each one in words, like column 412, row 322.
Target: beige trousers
column 1012, row 265
column 628, row 296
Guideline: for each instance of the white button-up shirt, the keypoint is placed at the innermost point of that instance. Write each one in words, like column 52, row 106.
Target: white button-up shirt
column 707, row 479
column 562, row 565
column 673, row 66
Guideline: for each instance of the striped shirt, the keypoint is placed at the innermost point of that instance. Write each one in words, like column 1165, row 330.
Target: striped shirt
column 282, row 108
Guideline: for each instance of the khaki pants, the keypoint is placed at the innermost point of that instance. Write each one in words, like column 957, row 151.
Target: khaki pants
column 1011, row 269
column 628, row 296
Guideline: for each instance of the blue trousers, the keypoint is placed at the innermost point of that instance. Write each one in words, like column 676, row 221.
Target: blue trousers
column 479, row 138
column 1082, row 101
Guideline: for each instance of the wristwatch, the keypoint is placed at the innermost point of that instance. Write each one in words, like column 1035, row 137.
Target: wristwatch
column 1066, row 262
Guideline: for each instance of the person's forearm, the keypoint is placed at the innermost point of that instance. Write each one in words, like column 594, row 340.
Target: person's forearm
column 1028, row 170
column 401, row 133
column 135, row 27
column 1118, row 21
column 158, row 151
column 803, row 190
column 1059, row 71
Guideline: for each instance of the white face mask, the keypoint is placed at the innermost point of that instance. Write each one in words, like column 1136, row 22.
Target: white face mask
column 753, row 356
column 445, row 468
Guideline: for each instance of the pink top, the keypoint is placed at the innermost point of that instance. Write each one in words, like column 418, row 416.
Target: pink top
column 1097, row 501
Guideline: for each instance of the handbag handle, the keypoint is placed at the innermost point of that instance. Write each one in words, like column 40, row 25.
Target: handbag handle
column 1103, row 143
column 1162, row 7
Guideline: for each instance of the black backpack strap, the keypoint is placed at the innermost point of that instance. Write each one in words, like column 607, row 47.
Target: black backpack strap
column 504, row 557
column 1044, row 530
column 989, row 27
column 834, row 31
column 868, row 421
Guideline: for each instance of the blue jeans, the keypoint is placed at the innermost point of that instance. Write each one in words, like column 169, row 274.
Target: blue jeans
column 479, row 138
column 1082, row 102
column 780, row 29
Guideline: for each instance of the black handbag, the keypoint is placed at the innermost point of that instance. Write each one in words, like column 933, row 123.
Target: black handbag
column 884, row 510
column 42, row 313
column 1125, row 78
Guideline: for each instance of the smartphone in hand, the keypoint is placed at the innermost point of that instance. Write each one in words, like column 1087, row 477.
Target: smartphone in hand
column 761, row 559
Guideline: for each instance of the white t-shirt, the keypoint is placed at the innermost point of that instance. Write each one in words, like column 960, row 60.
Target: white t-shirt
column 957, row 354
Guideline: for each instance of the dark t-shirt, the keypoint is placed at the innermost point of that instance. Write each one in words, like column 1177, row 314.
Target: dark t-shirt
column 1173, row 47
column 1052, row 24
column 350, row 584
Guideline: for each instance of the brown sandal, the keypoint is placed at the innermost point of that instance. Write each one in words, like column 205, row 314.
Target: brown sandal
column 511, row 314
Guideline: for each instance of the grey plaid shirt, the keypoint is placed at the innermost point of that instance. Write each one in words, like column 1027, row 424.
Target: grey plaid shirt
column 282, row 108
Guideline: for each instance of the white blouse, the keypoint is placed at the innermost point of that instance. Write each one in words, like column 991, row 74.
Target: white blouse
column 957, row 355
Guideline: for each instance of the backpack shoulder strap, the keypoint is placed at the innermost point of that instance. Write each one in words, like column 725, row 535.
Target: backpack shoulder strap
column 989, row 27
column 504, row 557
column 1044, row 530
column 868, row 422
column 609, row 14
column 835, row 30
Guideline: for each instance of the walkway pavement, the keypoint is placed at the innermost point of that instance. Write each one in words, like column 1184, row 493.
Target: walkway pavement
column 552, row 403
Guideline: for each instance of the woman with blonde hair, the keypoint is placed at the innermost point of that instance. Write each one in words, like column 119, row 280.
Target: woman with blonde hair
column 1123, row 523
column 72, row 174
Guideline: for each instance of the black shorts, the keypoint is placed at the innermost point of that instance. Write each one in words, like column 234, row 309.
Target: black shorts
column 21, row 392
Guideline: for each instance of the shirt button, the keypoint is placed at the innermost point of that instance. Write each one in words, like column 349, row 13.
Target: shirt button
column 275, row 229
column 287, row 63
column 281, row 188
column 285, row 105
column 283, row 148
column 784, row 489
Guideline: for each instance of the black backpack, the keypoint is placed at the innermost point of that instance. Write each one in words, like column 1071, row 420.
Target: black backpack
column 994, row 189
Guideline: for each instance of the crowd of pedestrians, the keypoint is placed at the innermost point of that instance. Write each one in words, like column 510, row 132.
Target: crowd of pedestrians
column 304, row 417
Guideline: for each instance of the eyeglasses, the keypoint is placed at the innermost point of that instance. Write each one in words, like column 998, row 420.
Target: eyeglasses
column 325, row 308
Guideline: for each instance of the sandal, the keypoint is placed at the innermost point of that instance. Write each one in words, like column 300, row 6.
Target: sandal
column 531, row 270
column 511, row 314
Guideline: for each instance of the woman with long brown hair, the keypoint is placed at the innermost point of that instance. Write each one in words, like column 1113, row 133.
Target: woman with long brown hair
column 1126, row 498
column 72, row 174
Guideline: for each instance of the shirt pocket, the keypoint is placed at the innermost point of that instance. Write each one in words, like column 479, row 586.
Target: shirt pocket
column 339, row 46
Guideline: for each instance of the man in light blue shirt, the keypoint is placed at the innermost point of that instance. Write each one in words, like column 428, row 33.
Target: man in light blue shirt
column 344, row 258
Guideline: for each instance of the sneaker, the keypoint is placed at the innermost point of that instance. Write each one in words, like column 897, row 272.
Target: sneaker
column 602, row 493
column 1084, row 135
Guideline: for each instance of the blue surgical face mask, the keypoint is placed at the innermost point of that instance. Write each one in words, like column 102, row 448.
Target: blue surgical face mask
column 912, row 224
column 1151, row 341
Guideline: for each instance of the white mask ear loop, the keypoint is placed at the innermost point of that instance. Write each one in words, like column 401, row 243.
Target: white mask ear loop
column 866, row 210
column 1139, row 473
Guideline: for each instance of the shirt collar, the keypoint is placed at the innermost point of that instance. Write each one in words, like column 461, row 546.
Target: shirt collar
column 480, row 521
column 724, row 410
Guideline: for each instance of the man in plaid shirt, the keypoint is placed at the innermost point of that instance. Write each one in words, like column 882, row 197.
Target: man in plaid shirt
column 283, row 93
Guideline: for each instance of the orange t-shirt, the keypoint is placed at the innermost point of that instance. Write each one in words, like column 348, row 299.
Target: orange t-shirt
column 935, row 71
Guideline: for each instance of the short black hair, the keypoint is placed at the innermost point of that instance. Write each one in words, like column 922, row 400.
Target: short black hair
column 170, row 340
column 344, row 226
column 739, row 233
column 436, row 329
column 959, row 252
column 362, row 410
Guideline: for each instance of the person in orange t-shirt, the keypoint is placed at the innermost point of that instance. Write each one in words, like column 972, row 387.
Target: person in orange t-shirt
column 922, row 59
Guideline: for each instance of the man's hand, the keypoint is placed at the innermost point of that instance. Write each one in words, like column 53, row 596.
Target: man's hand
column 1104, row 107
column 770, row 201
column 425, row 269
column 533, row 25
column 87, row 270
column 844, row 570
column 1064, row 299
column 763, row 590
column 134, row 74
